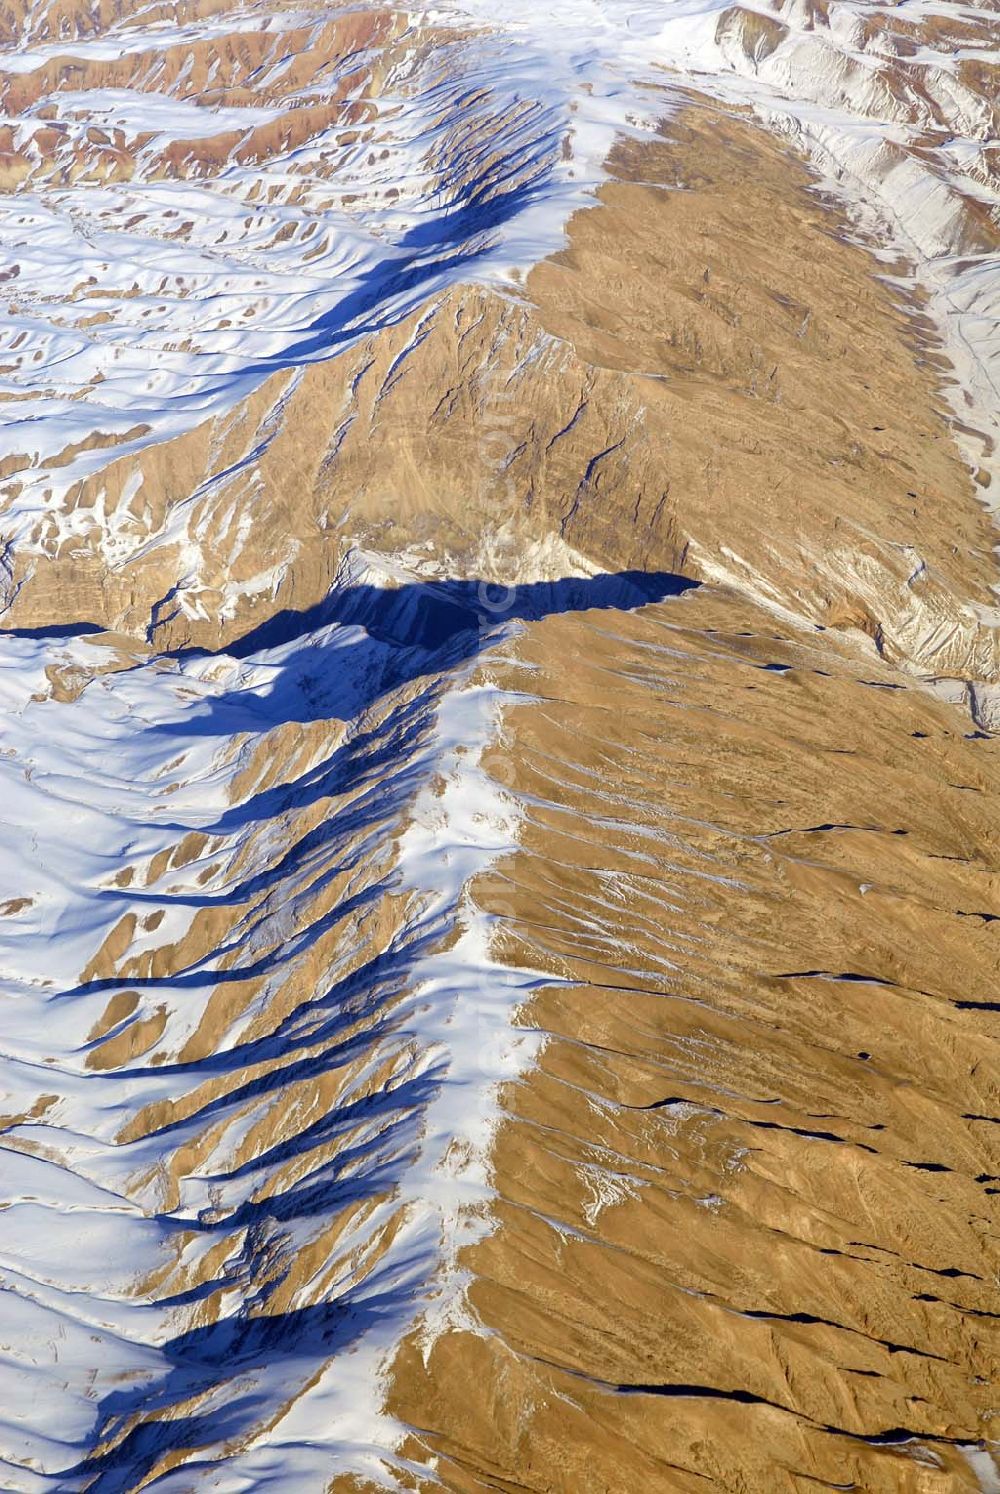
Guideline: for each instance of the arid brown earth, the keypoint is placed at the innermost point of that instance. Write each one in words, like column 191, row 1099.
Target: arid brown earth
column 747, row 1229
column 710, row 379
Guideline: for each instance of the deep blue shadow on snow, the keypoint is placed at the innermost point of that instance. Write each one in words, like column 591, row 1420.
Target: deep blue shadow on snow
column 432, row 250
column 332, row 660
column 411, row 631
column 292, row 1342
column 433, row 614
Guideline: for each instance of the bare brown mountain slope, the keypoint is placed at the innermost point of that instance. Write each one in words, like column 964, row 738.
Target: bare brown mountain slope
column 709, row 379
column 746, row 1229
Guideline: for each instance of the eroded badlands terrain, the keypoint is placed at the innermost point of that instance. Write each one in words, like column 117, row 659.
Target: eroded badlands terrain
column 499, row 900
